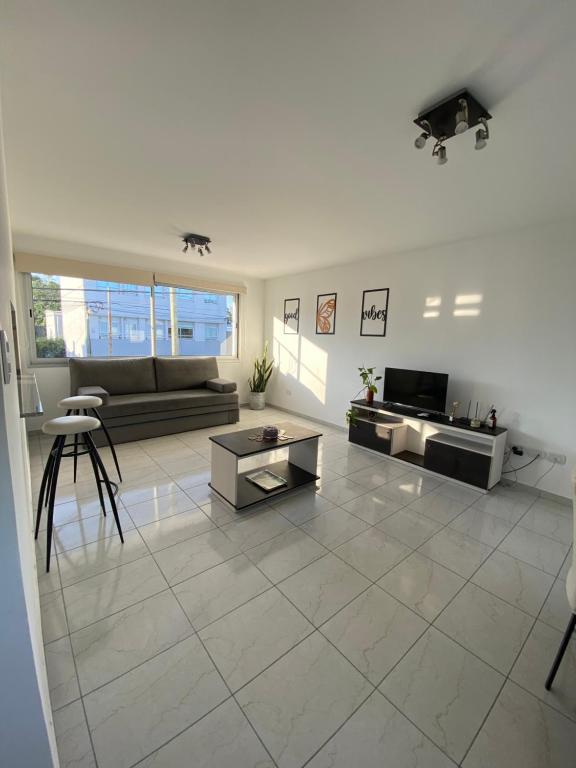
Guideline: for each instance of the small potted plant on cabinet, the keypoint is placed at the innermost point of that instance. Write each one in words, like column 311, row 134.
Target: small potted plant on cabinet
column 369, row 387
column 259, row 380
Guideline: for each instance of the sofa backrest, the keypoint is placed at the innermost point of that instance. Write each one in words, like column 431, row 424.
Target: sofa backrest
column 118, row 376
column 184, row 372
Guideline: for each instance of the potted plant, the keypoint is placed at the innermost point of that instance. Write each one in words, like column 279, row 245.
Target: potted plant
column 259, row 380
column 369, row 387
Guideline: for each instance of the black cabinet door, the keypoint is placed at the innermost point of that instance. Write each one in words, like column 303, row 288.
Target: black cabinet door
column 370, row 434
column 458, row 463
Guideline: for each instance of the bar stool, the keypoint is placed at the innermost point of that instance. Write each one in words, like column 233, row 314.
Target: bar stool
column 63, row 427
column 87, row 403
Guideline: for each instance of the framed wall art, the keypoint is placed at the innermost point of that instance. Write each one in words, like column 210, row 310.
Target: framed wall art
column 326, row 313
column 291, row 316
column 374, row 315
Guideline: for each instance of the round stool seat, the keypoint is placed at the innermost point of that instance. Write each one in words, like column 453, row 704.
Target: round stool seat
column 78, row 402
column 70, row 425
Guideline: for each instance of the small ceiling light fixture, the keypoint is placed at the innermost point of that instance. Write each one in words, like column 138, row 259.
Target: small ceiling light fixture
column 449, row 118
column 462, row 117
column 420, row 142
column 439, row 152
column 193, row 241
column 482, row 135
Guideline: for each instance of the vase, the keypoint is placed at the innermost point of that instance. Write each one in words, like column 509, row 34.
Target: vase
column 257, row 401
column 369, row 396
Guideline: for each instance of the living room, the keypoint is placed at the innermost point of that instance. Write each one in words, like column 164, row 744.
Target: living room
column 287, row 429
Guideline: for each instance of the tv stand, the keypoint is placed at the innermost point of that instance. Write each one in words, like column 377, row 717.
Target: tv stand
column 451, row 449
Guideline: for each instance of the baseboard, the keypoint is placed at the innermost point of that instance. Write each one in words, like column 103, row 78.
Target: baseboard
column 311, row 418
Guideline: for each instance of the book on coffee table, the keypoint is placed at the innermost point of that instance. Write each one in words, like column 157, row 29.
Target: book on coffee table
column 266, row 480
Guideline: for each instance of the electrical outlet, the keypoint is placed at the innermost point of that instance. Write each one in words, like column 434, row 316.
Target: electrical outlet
column 556, row 458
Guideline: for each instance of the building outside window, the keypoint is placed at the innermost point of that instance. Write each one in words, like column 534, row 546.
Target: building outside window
column 73, row 317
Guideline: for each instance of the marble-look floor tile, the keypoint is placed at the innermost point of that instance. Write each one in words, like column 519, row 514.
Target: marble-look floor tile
column 72, row 512
column 89, row 530
column 217, row 591
column 322, row 588
column 377, row 474
column 222, row 739
column 492, row 629
column 535, row 549
column 334, row 527
column 409, row 487
column 172, row 530
column 521, row 732
column 515, row 581
column 422, row 584
column 374, row 631
column 140, row 711
column 556, row 525
column 372, row 508
column 192, row 478
column 456, row 551
column 566, row 565
column 53, row 617
column 100, row 556
column 285, row 554
column 444, row 690
column 62, row 680
column 348, row 465
column 300, row 701
column 72, row 737
column 190, row 557
column 251, row 637
column 482, row 526
column 99, row 596
column 157, row 508
column 533, row 665
column 257, row 528
column 556, row 610
column 146, row 491
column 372, row 553
column 220, row 513
column 409, row 527
column 119, row 643
column 378, row 735
column 509, row 507
column 201, row 494
column 458, row 492
column 341, row 491
column 441, row 508
column 301, row 507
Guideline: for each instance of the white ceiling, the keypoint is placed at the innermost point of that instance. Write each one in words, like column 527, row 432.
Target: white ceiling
column 282, row 129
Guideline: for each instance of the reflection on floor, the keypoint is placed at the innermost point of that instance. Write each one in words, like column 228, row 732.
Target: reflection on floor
column 386, row 619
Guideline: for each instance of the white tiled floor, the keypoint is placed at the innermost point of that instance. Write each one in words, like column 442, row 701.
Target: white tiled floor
column 386, row 619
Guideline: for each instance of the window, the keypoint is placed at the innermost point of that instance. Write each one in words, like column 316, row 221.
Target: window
column 73, row 317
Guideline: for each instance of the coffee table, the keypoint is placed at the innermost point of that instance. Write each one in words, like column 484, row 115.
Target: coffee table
column 229, row 479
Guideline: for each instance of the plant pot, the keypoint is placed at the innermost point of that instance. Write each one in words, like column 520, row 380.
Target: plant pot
column 257, row 401
column 369, row 396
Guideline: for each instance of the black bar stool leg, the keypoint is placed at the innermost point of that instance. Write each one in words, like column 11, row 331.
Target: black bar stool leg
column 57, row 459
column 109, row 439
column 44, row 488
column 75, row 456
column 93, row 450
column 51, row 473
column 561, row 651
column 97, row 478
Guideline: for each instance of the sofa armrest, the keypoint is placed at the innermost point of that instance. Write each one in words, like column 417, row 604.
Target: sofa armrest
column 95, row 392
column 221, row 385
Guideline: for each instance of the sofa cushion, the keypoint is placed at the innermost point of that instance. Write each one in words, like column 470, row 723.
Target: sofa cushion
column 177, row 373
column 129, row 405
column 221, row 385
column 118, row 376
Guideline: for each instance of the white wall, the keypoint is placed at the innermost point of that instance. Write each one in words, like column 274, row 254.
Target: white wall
column 26, row 731
column 518, row 352
column 53, row 380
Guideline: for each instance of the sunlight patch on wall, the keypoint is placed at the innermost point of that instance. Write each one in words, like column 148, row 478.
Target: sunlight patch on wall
column 467, row 305
column 313, row 369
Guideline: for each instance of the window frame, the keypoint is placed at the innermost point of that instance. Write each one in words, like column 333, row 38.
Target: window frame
column 36, row 361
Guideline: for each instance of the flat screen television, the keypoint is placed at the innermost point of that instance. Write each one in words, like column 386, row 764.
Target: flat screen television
column 423, row 390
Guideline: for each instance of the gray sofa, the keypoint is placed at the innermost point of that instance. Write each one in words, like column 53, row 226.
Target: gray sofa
column 146, row 397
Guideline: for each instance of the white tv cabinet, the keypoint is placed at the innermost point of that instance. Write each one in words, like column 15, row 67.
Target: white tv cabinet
column 432, row 442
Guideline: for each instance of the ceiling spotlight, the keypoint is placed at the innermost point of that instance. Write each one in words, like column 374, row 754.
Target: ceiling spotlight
column 462, row 117
column 196, row 241
column 482, row 135
column 439, row 152
column 420, row 142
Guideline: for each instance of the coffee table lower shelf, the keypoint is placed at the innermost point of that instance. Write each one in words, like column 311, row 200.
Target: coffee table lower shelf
column 248, row 494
